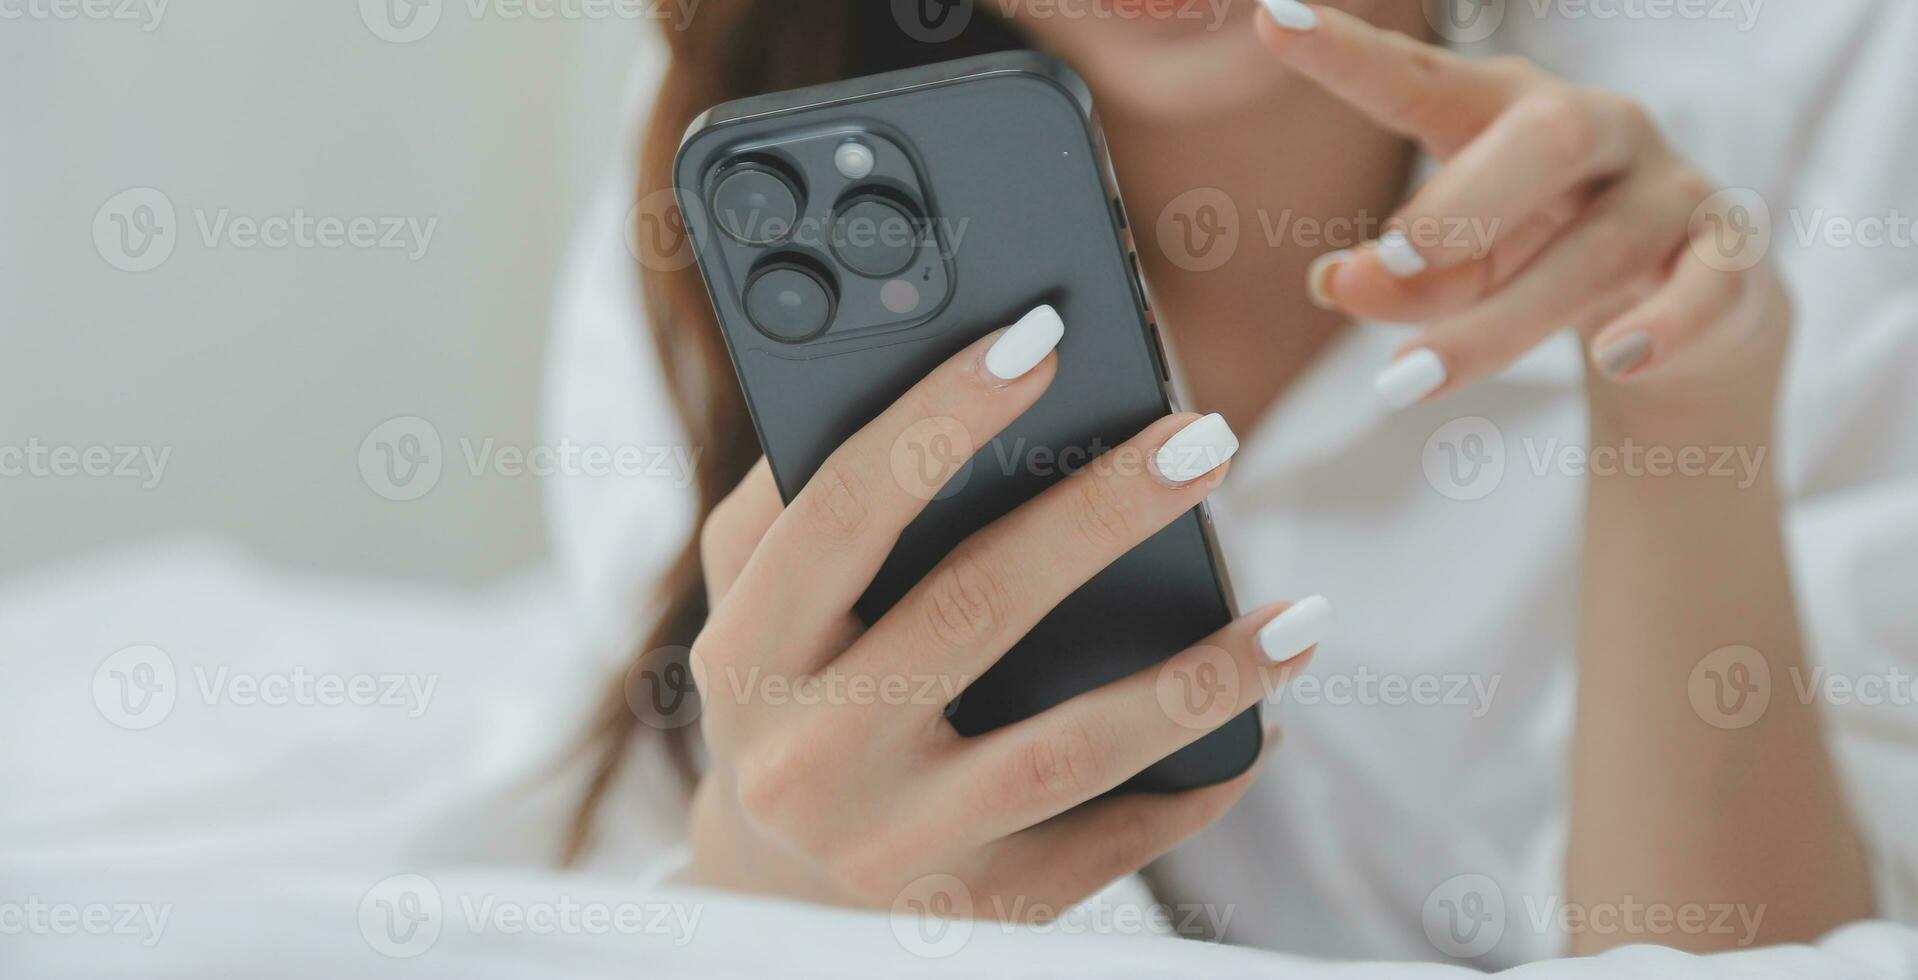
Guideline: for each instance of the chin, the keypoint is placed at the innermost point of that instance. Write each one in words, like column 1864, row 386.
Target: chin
column 1183, row 80
column 1150, row 70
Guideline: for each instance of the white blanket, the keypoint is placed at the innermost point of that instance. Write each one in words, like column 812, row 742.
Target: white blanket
column 406, row 825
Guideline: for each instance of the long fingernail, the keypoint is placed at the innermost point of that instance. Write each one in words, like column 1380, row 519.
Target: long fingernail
column 1196, row 450
column 1318, row 279
column 1409, row 379
column 1298, row 629
column 1399, row 257
column 1618, row 358
column 1025, row 344
column 1291, row 14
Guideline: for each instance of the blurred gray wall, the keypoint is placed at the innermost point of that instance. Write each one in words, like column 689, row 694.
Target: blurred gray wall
column 260, row 370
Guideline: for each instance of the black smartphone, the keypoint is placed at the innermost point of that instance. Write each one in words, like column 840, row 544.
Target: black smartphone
column 855, row 235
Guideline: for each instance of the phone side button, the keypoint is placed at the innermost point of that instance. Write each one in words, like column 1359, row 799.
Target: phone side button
column 1118, row 211
column 1138, row 282
column 1158, row 353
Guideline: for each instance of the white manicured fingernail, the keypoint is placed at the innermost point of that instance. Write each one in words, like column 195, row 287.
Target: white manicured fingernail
column 1621, row 356
column 1291, row 14
column 1025, row 344
column 1318, row 279
column 1399, row 257
column 1196, row 450
column 1410, row 378
column 1298, row 629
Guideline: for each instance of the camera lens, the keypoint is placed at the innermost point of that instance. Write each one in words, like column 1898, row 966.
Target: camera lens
column 790, row 302
column 875, row 236
column 755, row 204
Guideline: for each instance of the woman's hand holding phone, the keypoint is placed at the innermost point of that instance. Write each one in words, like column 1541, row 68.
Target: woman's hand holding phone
column 853, row 793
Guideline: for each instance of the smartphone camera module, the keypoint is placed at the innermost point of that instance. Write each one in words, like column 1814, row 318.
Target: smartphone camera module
column 755, row 204
column 790, row 302
column 876, row 236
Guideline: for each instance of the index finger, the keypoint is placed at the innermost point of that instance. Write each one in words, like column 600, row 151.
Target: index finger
column 823, row 550
column 1412, row 88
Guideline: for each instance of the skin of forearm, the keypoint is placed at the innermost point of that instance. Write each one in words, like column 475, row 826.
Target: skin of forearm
column 1665, row 806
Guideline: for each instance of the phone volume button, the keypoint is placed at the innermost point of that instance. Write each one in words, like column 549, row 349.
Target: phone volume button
column 1158, row 353
column 1138, row 281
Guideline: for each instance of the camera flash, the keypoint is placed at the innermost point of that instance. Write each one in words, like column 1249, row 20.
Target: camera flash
column 854, row 160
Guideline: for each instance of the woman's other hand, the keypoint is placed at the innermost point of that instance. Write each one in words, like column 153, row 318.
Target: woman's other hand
column 1556, row 206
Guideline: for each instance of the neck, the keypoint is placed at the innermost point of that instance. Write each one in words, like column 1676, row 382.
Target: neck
column 1305, row 176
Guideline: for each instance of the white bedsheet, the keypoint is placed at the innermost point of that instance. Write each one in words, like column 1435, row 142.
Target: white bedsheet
column 228, row 838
